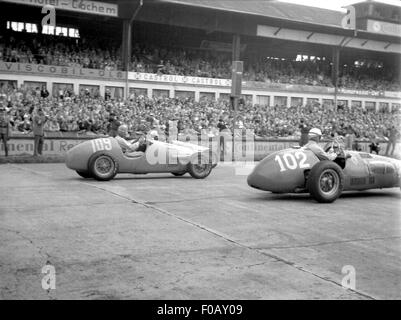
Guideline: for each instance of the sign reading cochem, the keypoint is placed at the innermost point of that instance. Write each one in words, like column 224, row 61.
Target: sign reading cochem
column 84, row 6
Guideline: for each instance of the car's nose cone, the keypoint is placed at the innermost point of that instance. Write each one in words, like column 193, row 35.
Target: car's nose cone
column 256, row 180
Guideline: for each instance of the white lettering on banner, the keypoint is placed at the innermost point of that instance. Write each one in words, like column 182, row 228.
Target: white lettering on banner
column 60, row 71
column 178, row 79
column 85, row 6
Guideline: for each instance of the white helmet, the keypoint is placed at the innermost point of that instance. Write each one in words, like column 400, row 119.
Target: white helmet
column 154, row 134
column 315, row 132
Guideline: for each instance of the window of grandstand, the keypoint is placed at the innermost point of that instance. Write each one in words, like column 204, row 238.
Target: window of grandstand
column 114, row 92
column 327, row 102
column 280, row 101
column 342, row 103
column 207, row 96
column 312, row 101
column 158, row 93
column 224, row 96
column 356, row 104
column 138, row 92
column 60, row 31
column 88, row 90
column 370, row 106
column 247, row 98
column 395, row 107
column 184, row 94
column 61, row 90
column 22, row 26
column 384, row 107
column 296, row 101
column 34, row 85
column 6, row 84
column 263, row 100
column 303, row 57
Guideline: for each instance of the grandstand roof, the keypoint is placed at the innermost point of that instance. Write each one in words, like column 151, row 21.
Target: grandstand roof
column 271, row 9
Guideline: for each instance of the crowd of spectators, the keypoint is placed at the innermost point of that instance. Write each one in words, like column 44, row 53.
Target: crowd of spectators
column 84, row 114
column 64, row 51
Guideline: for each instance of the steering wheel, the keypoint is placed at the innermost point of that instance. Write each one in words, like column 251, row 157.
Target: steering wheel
column 337, row 147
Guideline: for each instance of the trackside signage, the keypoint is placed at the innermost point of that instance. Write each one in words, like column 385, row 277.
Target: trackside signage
column 40, row 69
column 83, row 6
column 261, row 148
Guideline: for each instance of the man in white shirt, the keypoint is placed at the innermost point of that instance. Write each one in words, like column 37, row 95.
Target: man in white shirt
column 127, row 147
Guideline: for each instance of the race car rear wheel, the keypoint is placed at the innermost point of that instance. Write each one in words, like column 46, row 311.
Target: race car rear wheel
column 325, row 181
column 103, row 167
column 85, row 174
column 200, row 167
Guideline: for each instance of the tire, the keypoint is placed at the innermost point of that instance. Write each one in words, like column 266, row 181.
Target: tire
column 199, row 167
column 325, row 181
column 103, row 166
column 178, row 174
column 85, row 174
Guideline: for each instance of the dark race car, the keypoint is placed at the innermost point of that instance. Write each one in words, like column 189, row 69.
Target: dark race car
column 298, row 170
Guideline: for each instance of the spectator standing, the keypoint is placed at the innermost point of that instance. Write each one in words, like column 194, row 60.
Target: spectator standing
column 114, row 124
column 38, row 125
column 304, row 133
column 392, row 140
column 44, row 93
column 4, row 129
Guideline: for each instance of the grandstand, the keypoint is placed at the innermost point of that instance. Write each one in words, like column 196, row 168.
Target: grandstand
column 296, row 58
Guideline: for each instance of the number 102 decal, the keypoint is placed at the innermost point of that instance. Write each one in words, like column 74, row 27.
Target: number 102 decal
column 292, row 161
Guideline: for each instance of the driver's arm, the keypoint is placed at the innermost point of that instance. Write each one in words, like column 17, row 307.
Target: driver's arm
column 322, row 155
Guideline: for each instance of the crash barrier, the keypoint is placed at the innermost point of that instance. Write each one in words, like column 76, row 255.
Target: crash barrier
column 244, row 149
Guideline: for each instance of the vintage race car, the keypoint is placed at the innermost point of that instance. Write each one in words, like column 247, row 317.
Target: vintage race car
column 103, row 158
column 298, row 170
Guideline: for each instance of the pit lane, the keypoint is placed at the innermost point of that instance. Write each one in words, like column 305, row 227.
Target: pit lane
column 165, row 237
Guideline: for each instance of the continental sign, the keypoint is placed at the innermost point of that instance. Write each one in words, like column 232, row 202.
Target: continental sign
column 83, row 6
column 40, row 69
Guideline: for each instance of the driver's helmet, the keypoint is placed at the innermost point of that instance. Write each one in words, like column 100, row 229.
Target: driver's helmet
column 315, row 132
column 123, row 131
column 154, row 135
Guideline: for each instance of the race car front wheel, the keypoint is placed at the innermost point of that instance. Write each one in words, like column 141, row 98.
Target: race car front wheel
column 85, row 174
column 103, row 167
column 200, row 167
column 325, row 181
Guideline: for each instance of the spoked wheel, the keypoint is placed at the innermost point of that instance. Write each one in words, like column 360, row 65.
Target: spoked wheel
column 329, row 182
column 325, row 181
column 103, row 167
column 200, row 168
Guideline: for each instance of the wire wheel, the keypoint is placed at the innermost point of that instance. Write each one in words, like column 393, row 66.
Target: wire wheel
column 325, row 181
column 103, row 167
column 329, row 182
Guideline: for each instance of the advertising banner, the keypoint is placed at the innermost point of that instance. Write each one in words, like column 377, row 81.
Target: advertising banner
column 83, row 6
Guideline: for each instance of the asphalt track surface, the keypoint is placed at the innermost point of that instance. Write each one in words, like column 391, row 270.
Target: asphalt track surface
column 163, row 237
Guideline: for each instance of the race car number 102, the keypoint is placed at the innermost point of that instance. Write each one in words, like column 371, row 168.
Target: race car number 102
column 101, row 144
column 290, row 162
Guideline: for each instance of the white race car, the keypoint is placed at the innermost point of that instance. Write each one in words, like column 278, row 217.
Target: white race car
column 103, row 158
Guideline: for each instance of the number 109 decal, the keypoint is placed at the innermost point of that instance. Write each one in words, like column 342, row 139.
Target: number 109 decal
column 101, row 144
column 290, row 161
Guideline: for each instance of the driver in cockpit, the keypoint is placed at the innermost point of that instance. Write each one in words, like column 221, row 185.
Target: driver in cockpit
column 126, row 146
column 314, row 138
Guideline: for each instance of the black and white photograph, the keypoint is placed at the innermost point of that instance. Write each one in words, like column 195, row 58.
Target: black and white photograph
column 200, row 154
